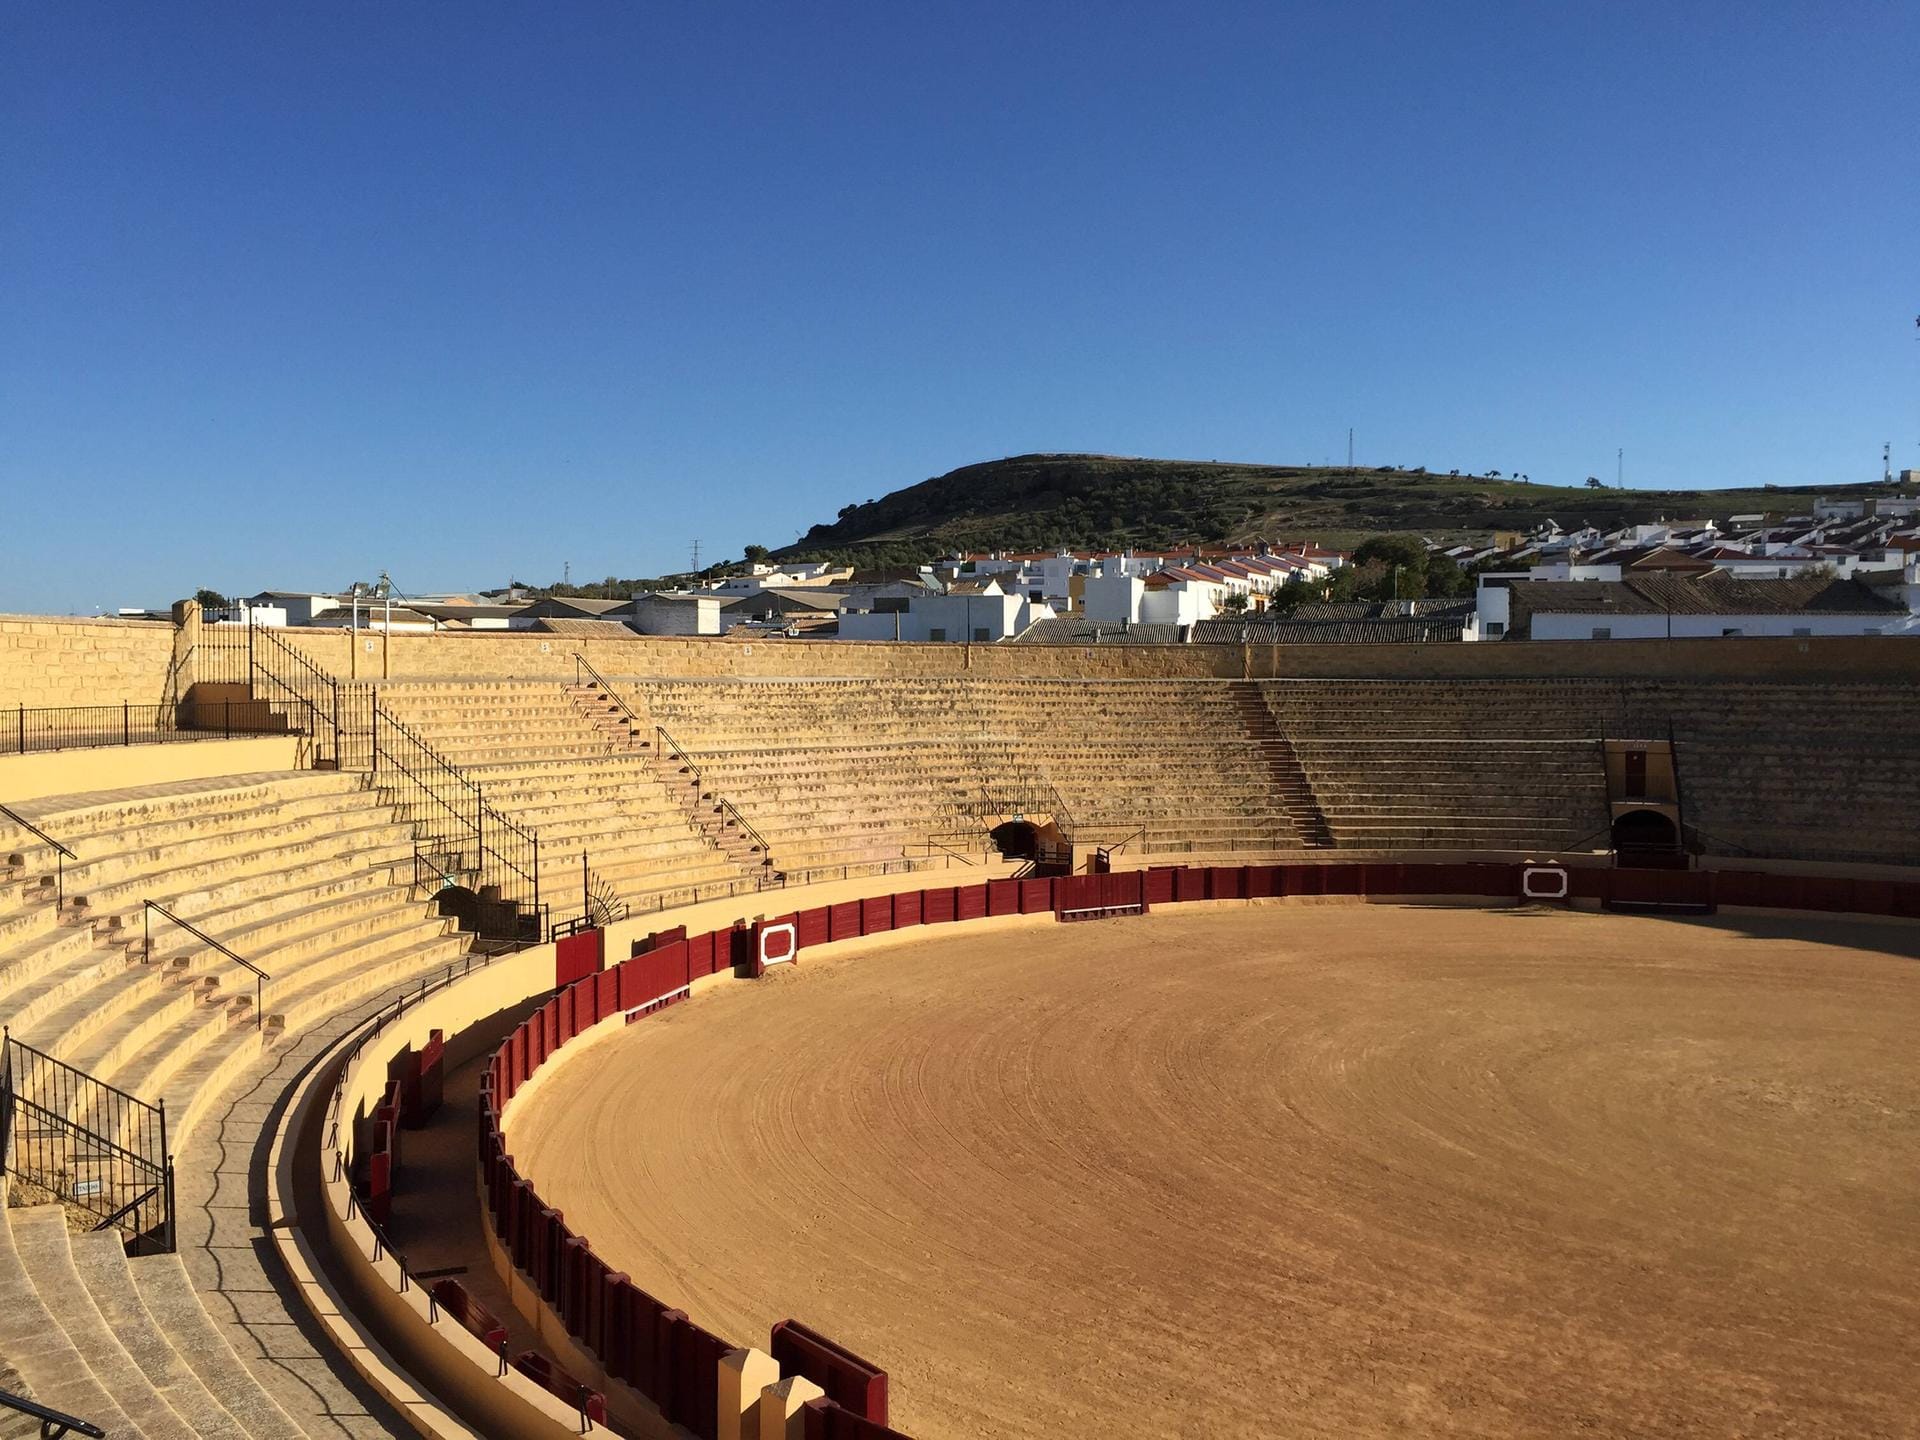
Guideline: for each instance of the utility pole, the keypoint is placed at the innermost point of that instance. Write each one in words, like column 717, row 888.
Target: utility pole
column 1886, row 464
column 696, row 557
column 1620, row 468
column 1349, row 449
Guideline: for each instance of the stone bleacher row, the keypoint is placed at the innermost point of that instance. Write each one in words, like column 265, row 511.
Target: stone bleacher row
column 834, row 769
column 539, row 758
column 305, row 875
column 1817, row 771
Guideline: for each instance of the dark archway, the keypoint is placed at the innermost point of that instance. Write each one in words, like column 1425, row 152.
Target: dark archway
column 460, row 903
column 1017, row 839
column 1645, row 832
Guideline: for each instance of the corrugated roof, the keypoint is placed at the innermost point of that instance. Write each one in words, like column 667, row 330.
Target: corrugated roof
column 581, row 629
column 1715, row 593
column 1079, row 630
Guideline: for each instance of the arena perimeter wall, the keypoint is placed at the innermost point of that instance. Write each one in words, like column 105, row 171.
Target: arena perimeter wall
column 628, row 1336
column 48, row 661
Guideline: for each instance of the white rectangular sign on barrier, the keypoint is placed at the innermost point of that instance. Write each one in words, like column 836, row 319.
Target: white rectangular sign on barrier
column 1544, row 882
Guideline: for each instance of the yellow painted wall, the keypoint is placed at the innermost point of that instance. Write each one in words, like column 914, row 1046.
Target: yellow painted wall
column 115, row 767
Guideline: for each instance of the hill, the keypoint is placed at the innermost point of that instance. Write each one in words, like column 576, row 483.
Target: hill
column 1031, row 502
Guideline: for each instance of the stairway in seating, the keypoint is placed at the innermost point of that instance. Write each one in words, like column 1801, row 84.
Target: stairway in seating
column 1289, row 777
column 80, row 1332
column 609, row 716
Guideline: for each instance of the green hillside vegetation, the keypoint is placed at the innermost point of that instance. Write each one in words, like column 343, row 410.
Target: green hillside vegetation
column 1036, row 502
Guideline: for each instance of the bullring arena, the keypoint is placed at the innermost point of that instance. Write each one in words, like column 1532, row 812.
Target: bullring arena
column 498, row 1035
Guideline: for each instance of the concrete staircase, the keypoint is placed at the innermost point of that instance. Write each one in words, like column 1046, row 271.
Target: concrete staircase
column 548, row 758
column 1289, row 777
column 123, row 1344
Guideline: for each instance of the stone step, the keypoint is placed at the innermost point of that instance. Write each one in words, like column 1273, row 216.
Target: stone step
column 40, row 1236
column 34, row 1344
column 168, row 1297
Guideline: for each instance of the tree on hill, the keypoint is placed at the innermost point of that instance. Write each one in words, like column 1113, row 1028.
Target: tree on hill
column 756, row 554
column 210, row 599
column 1445, row 579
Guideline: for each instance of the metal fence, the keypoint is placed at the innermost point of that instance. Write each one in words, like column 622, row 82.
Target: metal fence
column 68, row 1137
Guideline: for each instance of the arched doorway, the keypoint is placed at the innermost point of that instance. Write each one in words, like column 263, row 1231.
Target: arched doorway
column 1645, row 832
column 1017, row 839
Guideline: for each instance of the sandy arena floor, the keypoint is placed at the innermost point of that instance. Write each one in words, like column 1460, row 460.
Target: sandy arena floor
column 1329, row 1171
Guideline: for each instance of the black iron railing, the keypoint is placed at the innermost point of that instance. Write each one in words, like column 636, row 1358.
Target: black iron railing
column 68, row 1137
column 53, row 1423
column 583, row 673
column 456, row 829
column 150, row 908
column 26, row 730
column 61, row 854
column 669, row 748
column 731, row 815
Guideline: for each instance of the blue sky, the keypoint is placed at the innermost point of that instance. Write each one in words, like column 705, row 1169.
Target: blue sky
column 290, row 294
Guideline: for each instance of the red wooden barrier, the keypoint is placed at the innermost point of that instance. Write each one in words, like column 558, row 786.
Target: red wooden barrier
column 907, row 908
column 876, row 915
column 1160, row 885
column 939, row 906
column 851, row 1382
column 969, row 902
column 1036, row 895
column 696, row 1378
column 469, row 1313
column 843, row 920
column 1226, row 882
column 821, row 1419
column 550, row 1377
column 1189, row 884
column 578, row 956
column 1003, row 897
column 815, row 926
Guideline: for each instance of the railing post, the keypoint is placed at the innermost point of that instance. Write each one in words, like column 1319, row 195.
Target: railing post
column 126, row 722
column 23, row 728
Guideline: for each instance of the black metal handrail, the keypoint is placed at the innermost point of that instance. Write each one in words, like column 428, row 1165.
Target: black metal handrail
column 118, row 1150
column 34, row 728
column 583, row 666
column 671, row 747
column 260, row 977
column 53, row 1423
column 60, row 857
column 728, row 808
column 447, row 809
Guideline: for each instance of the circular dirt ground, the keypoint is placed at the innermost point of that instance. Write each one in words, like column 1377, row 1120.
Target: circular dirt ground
column 1293, row 1171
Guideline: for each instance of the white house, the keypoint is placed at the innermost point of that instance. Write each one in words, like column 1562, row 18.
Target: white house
column 1680, row 606
column 671, row 612
column 977, row 612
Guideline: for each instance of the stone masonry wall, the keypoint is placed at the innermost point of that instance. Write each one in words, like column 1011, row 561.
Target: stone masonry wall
column 50, row 661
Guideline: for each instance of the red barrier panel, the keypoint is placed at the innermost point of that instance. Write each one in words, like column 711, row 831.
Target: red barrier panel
column 876, row 915
column 606, row 1000
column 469, row 1313
column 814, row 926
column 969, row 902
column 579, row 956
column 571, row 1305
column 821, row 1419
column 1003, row 897
column 1189, row 884
column 1383, row 880
column 1160, row 885
column 1036, row 895
column 907, row 908
column 433, row 1070
column 550, row 1028
column 939, row 906
column 696, row 1378
column 1343, row 880
column 657, row 939
column 1262, row 882
column 1226, row 882
column 704, row 952
column 843, row 920
column 855, row 1384
column 543, row 1372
